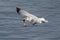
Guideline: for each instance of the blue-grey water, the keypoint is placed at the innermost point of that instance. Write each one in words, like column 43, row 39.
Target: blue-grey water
column 11, row 26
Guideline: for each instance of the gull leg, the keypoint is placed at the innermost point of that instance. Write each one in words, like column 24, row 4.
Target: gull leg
column 34, row 23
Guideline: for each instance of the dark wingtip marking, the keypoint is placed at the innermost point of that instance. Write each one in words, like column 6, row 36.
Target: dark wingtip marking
column 18, row 9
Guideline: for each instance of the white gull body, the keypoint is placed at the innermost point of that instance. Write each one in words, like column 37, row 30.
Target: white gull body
column 30, row 17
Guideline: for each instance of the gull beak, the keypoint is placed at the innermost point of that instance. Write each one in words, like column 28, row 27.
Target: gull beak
column 46, row 21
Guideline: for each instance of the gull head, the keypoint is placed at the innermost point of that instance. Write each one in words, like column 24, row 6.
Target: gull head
column 42, row 20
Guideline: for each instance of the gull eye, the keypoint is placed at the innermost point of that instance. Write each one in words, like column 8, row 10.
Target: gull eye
column 43, row 22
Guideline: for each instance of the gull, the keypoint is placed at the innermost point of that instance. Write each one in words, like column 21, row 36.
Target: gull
column 28, row 17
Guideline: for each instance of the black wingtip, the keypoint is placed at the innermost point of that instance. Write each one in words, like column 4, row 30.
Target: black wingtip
column 18, row 9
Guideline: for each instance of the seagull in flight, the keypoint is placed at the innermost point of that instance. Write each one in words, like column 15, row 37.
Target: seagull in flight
column 28, row 17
